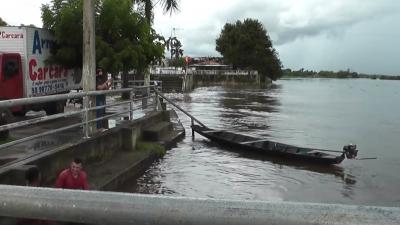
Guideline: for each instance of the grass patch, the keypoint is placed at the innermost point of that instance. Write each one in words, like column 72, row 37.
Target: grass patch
column 148, row 146
column 3, row 141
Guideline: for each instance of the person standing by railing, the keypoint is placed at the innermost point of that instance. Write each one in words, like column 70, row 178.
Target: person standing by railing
column 102, row 83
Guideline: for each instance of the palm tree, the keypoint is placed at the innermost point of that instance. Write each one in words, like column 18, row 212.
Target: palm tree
column 175, row 46
column 148, row 6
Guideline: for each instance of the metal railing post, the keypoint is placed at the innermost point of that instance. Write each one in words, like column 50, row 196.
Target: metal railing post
column 157, row 97
column 131, row 97
column 85, row 116
column 157, row 105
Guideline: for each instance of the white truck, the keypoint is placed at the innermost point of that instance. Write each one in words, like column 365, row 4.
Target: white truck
column 25, row 73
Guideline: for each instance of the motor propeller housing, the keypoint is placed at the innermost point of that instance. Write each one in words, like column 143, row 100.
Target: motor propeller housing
column 350, row 151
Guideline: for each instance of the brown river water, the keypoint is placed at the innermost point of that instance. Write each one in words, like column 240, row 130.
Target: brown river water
column 321, row 113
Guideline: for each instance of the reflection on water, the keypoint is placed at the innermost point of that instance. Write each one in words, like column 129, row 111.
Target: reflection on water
column 334, row 170
column 312, row 113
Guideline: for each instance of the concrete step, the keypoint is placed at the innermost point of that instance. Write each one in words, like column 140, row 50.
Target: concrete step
column 171, row 138
column 156, row 131
column 122, row 167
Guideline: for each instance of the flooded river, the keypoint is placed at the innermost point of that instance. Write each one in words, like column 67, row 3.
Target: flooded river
column 322, row 113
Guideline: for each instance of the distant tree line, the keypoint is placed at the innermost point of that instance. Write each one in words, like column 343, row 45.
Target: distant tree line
column 331, row 74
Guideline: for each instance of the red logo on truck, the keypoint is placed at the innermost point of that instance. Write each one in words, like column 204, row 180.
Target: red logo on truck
column 6, row 35
column 46, row 72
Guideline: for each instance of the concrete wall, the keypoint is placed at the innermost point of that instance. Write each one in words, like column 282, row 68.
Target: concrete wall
column 177, row 83
column 100, row 148
column 223, row 79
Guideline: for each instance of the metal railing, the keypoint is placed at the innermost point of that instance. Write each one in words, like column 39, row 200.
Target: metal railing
column 96, row 207
column 134, row 91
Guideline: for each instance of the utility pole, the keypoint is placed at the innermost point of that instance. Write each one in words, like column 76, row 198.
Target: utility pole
column 89, row 63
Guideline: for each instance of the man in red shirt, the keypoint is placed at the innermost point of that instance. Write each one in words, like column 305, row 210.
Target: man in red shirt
column 73, row 177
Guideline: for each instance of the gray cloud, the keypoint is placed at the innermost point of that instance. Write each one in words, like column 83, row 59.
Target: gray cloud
column 332, row 19
column 320, row 25
column 298, row 19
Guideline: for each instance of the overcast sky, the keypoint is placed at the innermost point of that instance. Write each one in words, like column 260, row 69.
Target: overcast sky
column 360, row 35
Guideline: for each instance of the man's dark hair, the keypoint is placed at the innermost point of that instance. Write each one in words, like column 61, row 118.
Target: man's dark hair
column 32, row 174
column 78, row 160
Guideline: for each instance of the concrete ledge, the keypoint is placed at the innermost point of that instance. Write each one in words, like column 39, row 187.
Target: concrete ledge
column 98, row 153
column 155, row 132
column 94, row 207
column 122, row 167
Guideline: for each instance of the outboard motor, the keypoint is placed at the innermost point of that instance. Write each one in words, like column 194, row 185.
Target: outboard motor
column 350, row 151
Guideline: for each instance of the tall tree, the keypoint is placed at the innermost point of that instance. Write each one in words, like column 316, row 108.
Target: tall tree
column 246, row 45
column 124, row 39
column 125, row 42
column 64, row 18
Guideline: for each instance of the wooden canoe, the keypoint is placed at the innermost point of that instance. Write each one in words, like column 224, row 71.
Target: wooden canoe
column 272, row 148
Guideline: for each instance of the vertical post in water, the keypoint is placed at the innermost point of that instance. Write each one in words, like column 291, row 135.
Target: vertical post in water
column 156, row 96
column 146, row 87
column 192, row 130
column 89, row 64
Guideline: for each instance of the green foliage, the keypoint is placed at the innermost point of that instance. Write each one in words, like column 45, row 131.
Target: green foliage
column 159, row 150
column 246, row 45
column 64, row 18
column 2, row 22
column 124, row 39
column 5, row 139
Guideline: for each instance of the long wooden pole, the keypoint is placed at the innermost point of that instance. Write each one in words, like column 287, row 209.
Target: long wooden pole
column 89, row 63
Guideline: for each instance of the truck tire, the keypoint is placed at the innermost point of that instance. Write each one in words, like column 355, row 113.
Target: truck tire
column 54, row 107
column 4, row 117
column 20, row 113
column 60, row 106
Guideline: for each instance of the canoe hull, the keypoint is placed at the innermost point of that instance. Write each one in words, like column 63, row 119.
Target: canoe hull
column 248, row 143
